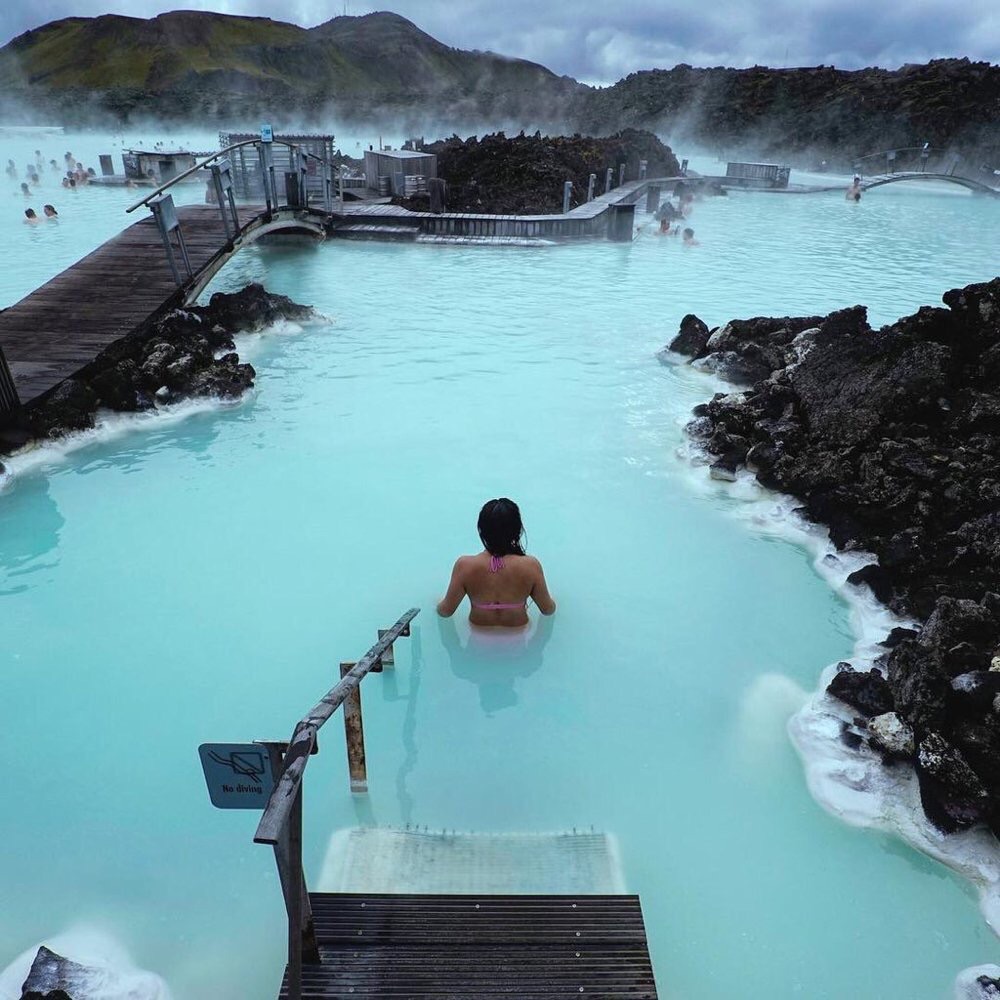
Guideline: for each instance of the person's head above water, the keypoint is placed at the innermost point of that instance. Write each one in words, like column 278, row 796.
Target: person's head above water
column 500, row 527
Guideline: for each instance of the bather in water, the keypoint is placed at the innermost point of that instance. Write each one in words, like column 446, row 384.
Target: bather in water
column 500, row 579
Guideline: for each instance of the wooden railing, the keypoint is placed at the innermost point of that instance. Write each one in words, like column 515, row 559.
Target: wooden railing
column 281, row 822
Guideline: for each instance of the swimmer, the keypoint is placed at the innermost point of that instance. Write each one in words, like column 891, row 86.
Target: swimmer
column 664, row 226
column 53, row 165
column 854, row 191
column 30, row 217
column 689, row 240
column 50, row 212
column 500, row 579
column 11, row 170
column 25, row 190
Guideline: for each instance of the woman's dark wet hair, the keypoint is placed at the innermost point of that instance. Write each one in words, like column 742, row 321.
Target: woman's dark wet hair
column 500, row 527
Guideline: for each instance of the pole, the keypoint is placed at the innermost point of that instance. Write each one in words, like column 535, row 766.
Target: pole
column 567, row 194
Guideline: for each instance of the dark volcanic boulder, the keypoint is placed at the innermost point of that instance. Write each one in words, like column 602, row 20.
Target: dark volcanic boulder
column 867, row 692
column 54, row 977
column 252, row 308
column 692, row 338
column 952, row 795
column 68, row 407
column 919, row 684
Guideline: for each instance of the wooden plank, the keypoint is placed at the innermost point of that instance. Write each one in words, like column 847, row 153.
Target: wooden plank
column 463, row 946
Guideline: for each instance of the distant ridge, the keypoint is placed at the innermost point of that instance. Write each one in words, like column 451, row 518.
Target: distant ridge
column 225, row 68
column 220, row 69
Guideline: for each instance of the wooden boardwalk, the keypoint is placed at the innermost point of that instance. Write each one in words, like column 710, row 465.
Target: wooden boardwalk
column 66, row 323
column 529, row 947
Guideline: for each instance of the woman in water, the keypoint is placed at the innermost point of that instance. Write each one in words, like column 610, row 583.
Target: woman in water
column 501, row 578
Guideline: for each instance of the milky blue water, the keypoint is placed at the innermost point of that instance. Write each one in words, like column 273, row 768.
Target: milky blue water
column 201, row 579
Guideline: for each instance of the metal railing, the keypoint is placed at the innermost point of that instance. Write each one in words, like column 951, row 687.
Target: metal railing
column 219, row 164
column 281, row 822
column 910, row 159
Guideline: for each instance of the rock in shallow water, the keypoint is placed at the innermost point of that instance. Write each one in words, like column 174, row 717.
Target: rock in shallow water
column 867, row 692
column 55, row 977
column 951, row 793
column 889, row 734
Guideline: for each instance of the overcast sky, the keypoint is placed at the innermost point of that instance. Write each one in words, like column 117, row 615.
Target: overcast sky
column 599, row 42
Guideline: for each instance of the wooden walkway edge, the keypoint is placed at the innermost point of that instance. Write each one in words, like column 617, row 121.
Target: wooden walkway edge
column 63, row 325
column 465, row 946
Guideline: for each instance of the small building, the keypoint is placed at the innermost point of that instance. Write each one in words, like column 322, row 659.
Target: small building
column 399, row 171
column 247, row 181
column 757, row 175
column 159, row 165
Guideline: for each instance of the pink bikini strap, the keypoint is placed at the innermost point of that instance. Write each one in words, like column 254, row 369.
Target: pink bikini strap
column 496, row 564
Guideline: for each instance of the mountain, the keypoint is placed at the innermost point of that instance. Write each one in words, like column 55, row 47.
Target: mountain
column 222, row 68
column 810, row 113
column 381, row 69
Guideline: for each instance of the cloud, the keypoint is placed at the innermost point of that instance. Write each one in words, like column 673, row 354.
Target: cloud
column 598, row 43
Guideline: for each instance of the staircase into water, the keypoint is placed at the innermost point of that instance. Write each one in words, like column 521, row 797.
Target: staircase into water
column 411, row 914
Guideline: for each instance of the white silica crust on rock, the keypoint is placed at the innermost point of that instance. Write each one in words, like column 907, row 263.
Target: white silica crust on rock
column 891, row 734
column 967, row 986
column 98, row 968
column 852, row 784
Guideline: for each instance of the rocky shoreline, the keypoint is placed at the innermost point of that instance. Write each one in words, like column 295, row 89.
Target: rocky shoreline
column 184, row 354
column 891, row 439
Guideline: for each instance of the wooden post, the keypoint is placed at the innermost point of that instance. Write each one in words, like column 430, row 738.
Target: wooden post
column 590, row 187
column 621, row 175
column 643, row 164
column 608, row 175
column 282, row 858
column 294, row 837
column 355, row 734
column 652, row 198
column 567, row 194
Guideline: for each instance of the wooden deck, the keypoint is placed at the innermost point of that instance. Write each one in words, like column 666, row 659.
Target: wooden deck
column 529, row 947
column 66, row 323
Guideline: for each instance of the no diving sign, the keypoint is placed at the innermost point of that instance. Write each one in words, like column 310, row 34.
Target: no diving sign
column 238, row 775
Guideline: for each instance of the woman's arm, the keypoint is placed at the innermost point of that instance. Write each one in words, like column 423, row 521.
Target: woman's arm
column 448, row 604
column 540, row 593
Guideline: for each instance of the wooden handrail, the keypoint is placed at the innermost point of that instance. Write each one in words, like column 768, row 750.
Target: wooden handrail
column 283, row 795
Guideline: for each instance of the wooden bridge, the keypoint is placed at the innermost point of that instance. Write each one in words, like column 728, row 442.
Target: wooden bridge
column 342, row 945
column 65, row 324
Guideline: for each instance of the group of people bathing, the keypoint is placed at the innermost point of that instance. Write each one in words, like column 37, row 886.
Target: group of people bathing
column 75, row 175
column 669, row 216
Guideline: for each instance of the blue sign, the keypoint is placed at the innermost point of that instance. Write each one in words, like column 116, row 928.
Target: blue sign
column 238, row 775
column 266, row 133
